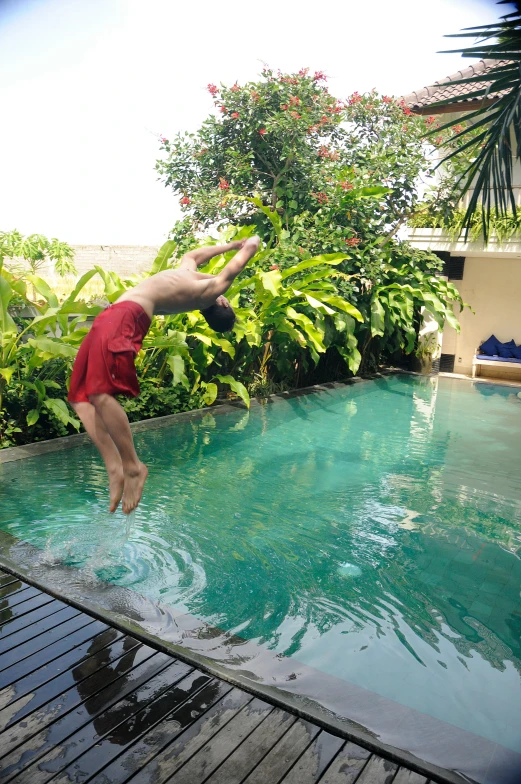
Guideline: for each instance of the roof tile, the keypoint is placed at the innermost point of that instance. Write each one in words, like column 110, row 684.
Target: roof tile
column 443, row 90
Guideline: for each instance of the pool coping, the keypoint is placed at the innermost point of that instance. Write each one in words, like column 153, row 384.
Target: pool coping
column 305, row 707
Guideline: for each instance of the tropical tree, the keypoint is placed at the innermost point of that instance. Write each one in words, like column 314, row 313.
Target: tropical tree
column 34, row 251
column 288, row 142
column 491, row 152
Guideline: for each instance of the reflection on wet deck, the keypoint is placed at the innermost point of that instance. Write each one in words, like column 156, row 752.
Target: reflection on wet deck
column 81, row 701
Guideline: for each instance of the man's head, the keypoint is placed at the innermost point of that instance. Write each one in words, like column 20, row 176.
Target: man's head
column 220, row 317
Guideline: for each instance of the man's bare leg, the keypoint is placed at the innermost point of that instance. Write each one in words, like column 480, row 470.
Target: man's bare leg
column 134, row 472
column 107, row 448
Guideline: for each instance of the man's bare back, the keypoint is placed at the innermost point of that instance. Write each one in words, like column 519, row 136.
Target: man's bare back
column 104, row 366
column 184, row 289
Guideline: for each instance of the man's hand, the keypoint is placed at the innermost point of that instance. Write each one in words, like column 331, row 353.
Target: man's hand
column 237, row 245
column 222, row 301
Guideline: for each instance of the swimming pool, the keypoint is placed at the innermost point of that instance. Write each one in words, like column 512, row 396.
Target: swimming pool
column 372, row 534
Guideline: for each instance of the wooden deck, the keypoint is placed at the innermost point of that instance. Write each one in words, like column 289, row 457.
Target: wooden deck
column 81, row 701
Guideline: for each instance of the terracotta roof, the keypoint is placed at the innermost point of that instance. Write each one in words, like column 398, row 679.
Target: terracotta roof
column 420, row 100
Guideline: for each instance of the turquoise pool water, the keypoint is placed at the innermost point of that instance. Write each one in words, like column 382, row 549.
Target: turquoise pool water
column 372, row 532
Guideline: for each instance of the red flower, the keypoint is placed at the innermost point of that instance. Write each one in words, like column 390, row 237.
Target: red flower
column 323, row 152
column 274, row 267
column 406, row 110
column 295, row 115
column 303, row 72
column 430, row 120
column 255, row 96
column 284, row 106
column 262, row 131
column 346, row 186
column 320, row 197
column 235, row 88
column 352, row 241
column 355, row 98
column 458, row 128
column 185, row 200
column 319, row 76
column 212, row 89
column 224, row 185
column 294, row 100
column 162, row 140
column 235, row 115
column 386, row 99
column 438, row 140
column 223, row 109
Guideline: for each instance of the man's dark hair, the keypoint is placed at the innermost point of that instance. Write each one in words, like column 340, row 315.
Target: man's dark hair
column 219, row 317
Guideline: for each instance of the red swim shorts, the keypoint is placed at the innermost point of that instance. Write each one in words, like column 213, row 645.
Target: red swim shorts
column 105, row 361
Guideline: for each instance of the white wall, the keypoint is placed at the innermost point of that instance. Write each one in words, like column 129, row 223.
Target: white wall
column 492, row 286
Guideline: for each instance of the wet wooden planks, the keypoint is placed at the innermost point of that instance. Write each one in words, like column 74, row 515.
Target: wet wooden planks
column 83, row 702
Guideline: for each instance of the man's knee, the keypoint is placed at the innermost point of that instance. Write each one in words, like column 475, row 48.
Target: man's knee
column 99, row 400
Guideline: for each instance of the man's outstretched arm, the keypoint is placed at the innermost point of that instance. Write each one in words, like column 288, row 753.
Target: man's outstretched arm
column 216, row 285
column 199, row 256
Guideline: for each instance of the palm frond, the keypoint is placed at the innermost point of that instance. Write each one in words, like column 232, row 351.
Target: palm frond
column 488, row 177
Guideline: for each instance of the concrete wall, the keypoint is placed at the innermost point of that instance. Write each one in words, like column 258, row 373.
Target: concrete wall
column 492, row 286
column 125, row 260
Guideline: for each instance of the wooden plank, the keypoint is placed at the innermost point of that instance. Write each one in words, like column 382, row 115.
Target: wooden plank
column 176, row 754
column 245, row 758
column 15, row 598
column 405, row 776
column 347, row 765
column 8, row 617
column 13, row 586
column 28, row 683
column 150, row 712
column 284, row 754
column 33, row 610
column 41, row 730
column 118, row 725
column 65, row 621
column 378, row 771
column 20, row 669
column 147, row 747
column 223, row 743
column 7, row 579
column 68, row 679
column 311, row 765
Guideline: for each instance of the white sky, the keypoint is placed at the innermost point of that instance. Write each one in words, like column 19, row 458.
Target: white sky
column 86, row 85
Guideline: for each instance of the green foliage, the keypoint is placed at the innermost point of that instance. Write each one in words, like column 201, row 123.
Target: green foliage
column 284, row 154
column 503, row 227
column 289, row 319
column 35, row 250
column 493, row 131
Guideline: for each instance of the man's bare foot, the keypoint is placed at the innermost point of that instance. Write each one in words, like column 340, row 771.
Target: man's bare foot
column 116, row 481
column 133, row 488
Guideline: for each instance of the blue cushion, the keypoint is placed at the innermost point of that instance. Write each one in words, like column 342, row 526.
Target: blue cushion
column 516, row 352
column 490, row 346
column 505, row 351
